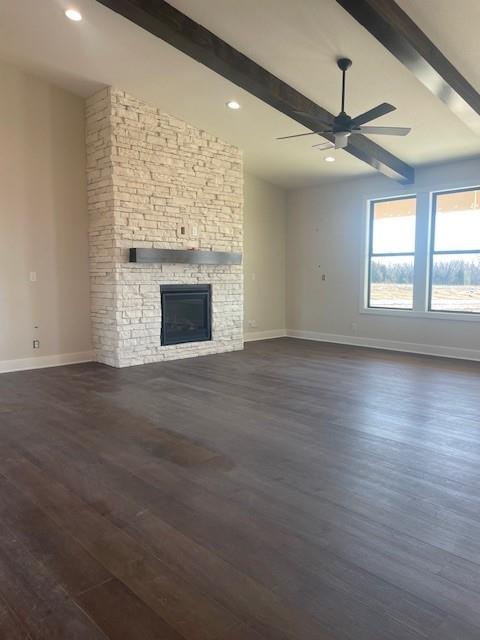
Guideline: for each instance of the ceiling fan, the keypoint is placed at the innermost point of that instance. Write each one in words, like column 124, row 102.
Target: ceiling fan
column 343, row 126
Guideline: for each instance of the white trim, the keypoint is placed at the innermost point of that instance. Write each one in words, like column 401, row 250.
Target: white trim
column 365, row 251
column 453, row 316
column 264, row 335
column 42, row 362
column 398, row 190
column 390, row 345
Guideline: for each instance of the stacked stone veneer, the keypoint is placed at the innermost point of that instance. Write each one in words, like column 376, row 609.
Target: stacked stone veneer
column 155, row 181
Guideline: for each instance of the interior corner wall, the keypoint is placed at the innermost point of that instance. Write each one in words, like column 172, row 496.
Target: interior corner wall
column 326, row 234
column 265, row 223
column 43, row 224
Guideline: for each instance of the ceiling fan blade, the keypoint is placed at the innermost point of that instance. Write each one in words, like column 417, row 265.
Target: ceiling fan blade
column 318, row 121
column 300, row 135
column 324, row 145
column 372, row 114
column 385, row 131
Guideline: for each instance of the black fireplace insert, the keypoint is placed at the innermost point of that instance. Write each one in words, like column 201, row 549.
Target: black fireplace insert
column 186, row 313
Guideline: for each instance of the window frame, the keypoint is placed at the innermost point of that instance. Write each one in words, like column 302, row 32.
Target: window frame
column 371, row 254
column 432, row 253
column 424, row 196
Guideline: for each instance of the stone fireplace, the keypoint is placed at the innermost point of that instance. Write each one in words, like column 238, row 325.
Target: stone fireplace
column 155, row 182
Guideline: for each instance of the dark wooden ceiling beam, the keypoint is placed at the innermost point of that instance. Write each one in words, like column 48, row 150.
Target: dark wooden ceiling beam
column 391, row 26
column 186, row 35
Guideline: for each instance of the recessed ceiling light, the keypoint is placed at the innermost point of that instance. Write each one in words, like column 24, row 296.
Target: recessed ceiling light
column 73, row 14
column 233, row 104
column 329, row 159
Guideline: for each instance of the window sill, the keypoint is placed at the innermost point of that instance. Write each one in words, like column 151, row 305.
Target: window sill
column 453, row 316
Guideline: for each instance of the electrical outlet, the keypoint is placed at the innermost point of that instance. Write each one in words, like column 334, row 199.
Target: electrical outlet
column 252, row 323
column 36, row 344
column 324, row 277
column 33, row 276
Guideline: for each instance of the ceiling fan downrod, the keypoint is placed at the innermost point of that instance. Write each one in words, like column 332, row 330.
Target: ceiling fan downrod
column 343, row 64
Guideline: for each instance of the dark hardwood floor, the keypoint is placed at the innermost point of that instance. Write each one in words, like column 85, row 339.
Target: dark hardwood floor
column 293, row 491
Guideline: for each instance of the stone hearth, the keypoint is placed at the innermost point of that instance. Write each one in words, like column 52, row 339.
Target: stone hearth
column 156, row 182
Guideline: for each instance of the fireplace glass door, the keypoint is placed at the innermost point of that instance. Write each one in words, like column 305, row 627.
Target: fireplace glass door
column 186, row 313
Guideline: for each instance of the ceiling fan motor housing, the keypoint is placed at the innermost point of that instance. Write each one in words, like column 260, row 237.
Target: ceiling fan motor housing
column 342, row 129
column 342, row 122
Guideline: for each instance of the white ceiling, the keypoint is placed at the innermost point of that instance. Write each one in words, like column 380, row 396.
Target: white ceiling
column 297, row 40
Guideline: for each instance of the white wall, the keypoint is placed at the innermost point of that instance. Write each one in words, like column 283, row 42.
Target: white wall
column 43, row 223
column 326, row 235
column 264, row 258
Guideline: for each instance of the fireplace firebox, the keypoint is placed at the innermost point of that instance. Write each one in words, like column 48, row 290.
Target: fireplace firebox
column 186, row 313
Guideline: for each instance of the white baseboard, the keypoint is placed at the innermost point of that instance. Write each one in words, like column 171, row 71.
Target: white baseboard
column 390, row 345
column 42, row 362
column 264, row 335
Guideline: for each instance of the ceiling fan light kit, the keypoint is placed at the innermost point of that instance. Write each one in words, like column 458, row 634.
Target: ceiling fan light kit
column 343, row 126
column 341, row 139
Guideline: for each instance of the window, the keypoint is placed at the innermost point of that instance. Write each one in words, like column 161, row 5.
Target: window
column 391, row 253
column 424, row 254
column 455, row 252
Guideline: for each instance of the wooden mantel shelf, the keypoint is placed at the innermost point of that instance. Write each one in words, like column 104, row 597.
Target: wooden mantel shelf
column 182, row 256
